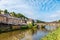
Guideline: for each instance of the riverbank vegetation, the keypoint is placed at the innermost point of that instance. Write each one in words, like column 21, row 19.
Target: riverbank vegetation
column 29, row 26
column 30, row 22
column 55, row 35
column 18, row 15
column 23, row 27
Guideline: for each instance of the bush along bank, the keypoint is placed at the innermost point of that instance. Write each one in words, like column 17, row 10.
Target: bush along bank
column 55, row 35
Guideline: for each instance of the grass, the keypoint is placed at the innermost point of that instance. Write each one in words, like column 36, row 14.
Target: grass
column 55, row 35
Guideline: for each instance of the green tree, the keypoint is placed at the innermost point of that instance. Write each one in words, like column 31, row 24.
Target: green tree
column 59, row 21
column 5, row 11
column 0, row 11
column 38, row 21
column 19, row 15
column 13, row 14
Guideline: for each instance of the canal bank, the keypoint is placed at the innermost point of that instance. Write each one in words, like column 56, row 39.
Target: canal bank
column 55, row 35
column 23, row 35
column 28, row 34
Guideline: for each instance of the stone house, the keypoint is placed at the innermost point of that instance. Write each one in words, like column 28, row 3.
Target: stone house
column 29, row 21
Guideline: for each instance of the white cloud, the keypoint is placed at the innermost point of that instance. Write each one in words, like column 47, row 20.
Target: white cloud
column 55, row 14
column 31, row 11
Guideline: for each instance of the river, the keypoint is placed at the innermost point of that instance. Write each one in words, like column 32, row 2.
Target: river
column 29, row 34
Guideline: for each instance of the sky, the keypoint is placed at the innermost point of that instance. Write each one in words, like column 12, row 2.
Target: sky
column 45, row 10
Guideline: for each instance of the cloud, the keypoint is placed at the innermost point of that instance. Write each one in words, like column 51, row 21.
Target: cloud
column 52, row 16
column 15, row 5
column 55, row 14
column 47, row 10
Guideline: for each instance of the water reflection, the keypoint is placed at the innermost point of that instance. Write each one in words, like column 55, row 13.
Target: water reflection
column 50, row 28
column 30, row 34
column 39, row 35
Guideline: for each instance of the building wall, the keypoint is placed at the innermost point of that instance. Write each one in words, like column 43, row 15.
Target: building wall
column 3, row 19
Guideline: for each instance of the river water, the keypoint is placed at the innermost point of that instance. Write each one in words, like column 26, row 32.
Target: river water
column 29, row 34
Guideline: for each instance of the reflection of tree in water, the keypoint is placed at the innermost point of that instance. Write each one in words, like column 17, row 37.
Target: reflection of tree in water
column 33, row 31
column 15, row 35
column 18, row 35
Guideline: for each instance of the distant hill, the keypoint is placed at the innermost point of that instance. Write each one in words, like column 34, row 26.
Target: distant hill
column 39, row 21
column 56, row 21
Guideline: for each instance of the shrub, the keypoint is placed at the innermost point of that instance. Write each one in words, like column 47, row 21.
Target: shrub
column 55, row 35
column 24, row 27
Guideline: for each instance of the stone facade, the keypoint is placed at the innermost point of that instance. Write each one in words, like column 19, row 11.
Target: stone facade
column 29, row 21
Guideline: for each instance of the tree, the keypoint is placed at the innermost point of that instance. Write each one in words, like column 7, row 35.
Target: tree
column 13, row 14
column 59, row 21
column 0, row 11
column 5, row 11
column 38, row 21
column 19, row 15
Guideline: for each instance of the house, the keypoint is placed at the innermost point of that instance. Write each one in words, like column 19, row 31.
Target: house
column 2, row 12
column 29, row 21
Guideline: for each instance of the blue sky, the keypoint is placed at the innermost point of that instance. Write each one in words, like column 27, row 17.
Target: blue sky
column 46, row 10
